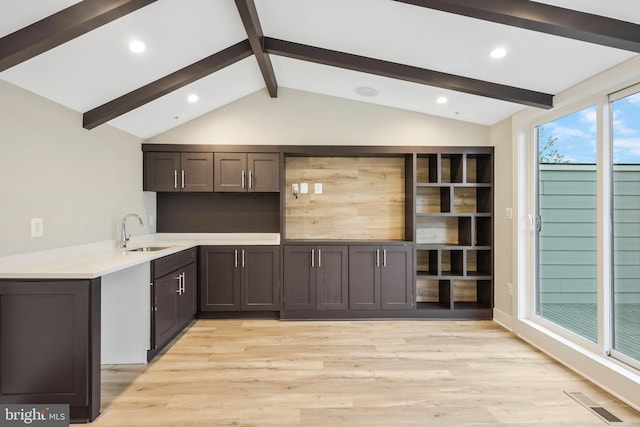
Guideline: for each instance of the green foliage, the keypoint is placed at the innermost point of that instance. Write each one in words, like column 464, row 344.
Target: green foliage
column 548, row 153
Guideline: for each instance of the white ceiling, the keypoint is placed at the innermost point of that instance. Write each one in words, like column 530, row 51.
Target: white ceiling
column 97, row 67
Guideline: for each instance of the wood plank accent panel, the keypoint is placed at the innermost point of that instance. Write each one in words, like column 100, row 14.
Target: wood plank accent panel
column 362, row 198
column 218, row 213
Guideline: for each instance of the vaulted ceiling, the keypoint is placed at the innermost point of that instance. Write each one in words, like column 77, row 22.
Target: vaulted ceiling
column 400, row 53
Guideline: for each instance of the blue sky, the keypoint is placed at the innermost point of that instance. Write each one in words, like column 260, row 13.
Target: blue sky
column 576, row 133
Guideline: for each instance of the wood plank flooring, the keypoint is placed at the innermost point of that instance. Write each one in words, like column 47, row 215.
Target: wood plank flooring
column 359, row 373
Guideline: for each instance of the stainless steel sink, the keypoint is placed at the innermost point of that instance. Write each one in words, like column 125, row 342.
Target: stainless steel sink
column 148, row 249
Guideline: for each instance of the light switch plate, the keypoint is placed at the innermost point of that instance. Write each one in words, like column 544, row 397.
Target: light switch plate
column 508, row 213
column 304, row 188
column 37, row 227
column 318, row 188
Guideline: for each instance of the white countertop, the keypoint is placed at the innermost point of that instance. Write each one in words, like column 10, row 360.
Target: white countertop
column 101, row 258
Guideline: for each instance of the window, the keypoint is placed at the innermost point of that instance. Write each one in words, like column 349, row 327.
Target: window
column 566, row 289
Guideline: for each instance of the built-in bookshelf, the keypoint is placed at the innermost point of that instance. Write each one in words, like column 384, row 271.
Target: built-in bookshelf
column 453, row 233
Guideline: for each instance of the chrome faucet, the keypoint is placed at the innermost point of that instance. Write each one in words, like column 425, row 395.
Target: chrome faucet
column 123, row 236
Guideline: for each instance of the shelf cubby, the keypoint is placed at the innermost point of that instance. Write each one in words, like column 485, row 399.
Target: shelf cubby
column 427, row 262
column 434, row 294
column 452, row 263
column 443, row 230
column 478, row 263
column 427, row 169
column 483, row 231
column 452, row 168
column 433, row 200
column 479, row 169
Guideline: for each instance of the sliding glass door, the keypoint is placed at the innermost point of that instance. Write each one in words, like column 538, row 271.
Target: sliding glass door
column 573, row 203
column 625, row 115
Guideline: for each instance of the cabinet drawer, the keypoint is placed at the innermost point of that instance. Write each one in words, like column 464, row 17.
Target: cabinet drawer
column 169, row 263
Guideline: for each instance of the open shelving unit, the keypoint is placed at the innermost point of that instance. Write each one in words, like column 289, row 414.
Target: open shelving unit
column 453, row 233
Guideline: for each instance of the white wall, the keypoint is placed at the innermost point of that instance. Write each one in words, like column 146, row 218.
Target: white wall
column 80, row 182
column 302, row 118
column 500, row 136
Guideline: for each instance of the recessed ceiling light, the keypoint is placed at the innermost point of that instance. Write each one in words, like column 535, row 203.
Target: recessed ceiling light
column 442, row 100
column 192, row 98
column 366, row 91
column 499, row 52
column 136, row 46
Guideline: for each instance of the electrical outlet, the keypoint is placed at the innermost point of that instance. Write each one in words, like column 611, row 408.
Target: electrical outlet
column 304, row 188
column 37, row 227
column 295, row 189
column 318, row 188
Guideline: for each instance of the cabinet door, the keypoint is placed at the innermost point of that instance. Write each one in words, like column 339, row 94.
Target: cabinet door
column 364, row 277
column 220, row 278
column 165, row 315
column 333, row 278
column 230, row 172
column 161, row 172
column 196, row 172
column 264, row 172
column 187, row 305
column 299, row 278
column 260, row 278
column 50, row 344
column 397, row 277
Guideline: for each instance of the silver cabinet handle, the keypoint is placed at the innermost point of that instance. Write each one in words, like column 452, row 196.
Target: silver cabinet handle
column 242, row 179
column 319, row 258
column 384, row 257
column 184, row 286
column 377, row 257
column 182, row 178
column 250, row 179
column 179, row 278
column 243, row 258
column 175, row 178
column 313, row 257
column 236, row 256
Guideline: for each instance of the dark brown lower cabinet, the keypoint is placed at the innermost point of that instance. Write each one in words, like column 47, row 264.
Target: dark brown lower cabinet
column 316, row 277
column 50, row 344
column 380, row 277
column 239, row 278
column 173, row 297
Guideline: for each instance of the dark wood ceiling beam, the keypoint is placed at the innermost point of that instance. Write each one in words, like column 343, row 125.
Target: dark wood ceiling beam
column 249, row 16
column 408, row 73
column 165, row 85
column 544, row 18
column 61, row 27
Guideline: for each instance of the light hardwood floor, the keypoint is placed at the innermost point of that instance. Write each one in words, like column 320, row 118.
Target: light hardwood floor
column 360, row 373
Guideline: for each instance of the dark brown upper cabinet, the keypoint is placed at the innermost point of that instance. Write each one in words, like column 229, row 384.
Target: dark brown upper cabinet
column 175, row 172
column 247, row 172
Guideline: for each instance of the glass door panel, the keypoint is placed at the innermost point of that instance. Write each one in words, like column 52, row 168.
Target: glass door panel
column 566, row 223
column 626, row 225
